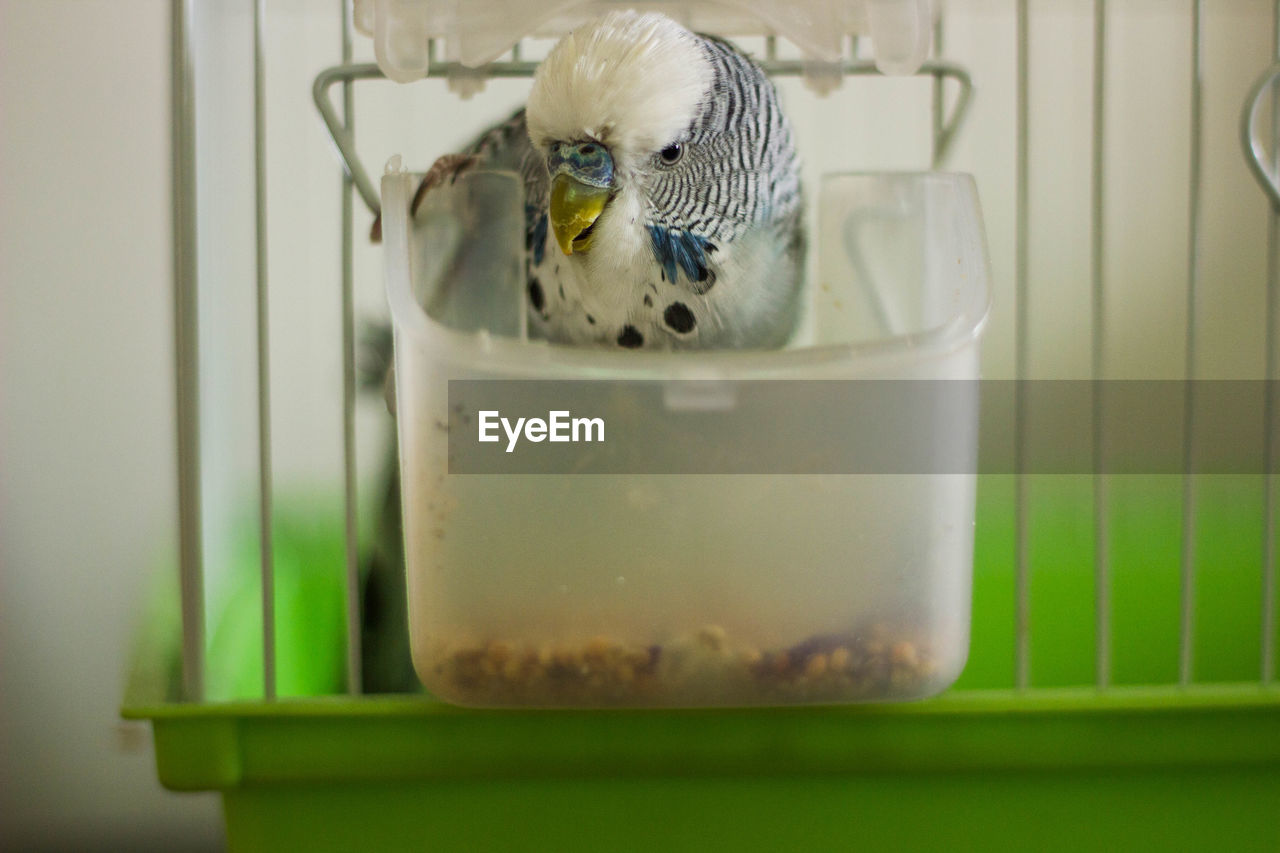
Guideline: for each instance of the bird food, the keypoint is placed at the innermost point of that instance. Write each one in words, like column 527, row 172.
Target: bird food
column 865, row 665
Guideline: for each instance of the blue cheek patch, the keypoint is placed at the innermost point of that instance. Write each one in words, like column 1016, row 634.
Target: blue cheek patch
column 680, row 250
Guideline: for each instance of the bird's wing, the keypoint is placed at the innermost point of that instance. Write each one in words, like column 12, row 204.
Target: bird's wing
column 507, row 146
column 503, row 146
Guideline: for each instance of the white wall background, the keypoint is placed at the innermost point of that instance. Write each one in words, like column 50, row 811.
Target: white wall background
column 87, row 448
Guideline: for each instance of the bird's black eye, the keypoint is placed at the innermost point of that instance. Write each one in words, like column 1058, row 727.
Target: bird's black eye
column 672, row 153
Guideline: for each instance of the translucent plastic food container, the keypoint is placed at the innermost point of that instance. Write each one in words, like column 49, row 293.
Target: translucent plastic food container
column 696, row 580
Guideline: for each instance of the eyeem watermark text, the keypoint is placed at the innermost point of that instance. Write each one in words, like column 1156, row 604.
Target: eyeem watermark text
column 559, row 426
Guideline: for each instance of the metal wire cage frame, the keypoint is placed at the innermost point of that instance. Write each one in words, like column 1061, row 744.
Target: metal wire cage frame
column 249, row 750
column 946, row 123
column 1257, row 146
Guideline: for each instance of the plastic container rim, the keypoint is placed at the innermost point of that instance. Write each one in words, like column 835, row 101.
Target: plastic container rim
column 538, row 357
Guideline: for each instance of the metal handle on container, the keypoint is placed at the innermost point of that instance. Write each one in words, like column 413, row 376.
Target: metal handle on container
column 344, row 141
column 1263, row 166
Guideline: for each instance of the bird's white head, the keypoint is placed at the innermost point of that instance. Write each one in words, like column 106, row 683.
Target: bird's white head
column 629, row 80
column 606, row 99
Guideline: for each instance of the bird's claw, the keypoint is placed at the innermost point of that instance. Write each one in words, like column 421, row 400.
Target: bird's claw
column 450, row 167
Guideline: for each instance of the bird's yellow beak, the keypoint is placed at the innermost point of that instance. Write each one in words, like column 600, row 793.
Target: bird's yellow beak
column 575, row 207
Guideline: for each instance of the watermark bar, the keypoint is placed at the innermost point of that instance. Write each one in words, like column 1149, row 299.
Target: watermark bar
column 855, row 427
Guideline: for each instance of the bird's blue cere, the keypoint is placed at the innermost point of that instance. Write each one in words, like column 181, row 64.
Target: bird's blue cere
column 588, row 162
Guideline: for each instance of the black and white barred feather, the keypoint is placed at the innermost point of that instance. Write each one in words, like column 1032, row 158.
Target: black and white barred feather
column 741, row 164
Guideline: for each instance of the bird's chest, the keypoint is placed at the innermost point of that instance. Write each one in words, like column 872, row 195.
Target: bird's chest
column 632, row 307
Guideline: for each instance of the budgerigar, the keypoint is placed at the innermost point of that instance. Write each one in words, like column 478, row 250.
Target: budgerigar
column 662, row 191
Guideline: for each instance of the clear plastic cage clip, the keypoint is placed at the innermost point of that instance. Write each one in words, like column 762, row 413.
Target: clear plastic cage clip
column 479, row 32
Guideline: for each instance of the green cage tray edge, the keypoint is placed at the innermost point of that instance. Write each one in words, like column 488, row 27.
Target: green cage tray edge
column 379, row 739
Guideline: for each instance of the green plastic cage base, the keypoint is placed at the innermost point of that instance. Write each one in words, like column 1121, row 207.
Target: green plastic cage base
column 1206, row 810
column 1160, row 768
